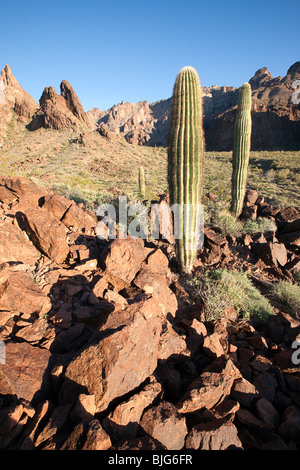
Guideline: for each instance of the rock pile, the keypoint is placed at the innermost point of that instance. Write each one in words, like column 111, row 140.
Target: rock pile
column 103, row 350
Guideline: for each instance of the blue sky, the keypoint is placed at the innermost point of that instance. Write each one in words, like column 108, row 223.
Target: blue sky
column 132, row 50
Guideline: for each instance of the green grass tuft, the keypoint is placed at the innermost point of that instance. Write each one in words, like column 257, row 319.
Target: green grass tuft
column 221, row 289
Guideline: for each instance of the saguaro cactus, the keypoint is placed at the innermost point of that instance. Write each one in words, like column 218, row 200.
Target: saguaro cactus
column 142, row 181
column 185, row 162
column 241, row 150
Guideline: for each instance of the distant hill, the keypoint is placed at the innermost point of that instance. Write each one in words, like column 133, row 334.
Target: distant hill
column 276, row 119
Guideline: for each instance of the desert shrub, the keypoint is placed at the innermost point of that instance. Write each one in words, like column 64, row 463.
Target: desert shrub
column 261, row 225
column 270, row 175
column 227, row 223
column 289, row 295
column 221, row 288
column 282, row 175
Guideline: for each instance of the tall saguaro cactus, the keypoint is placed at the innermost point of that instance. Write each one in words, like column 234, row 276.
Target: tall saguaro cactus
column 241, row 150
column 185, row 162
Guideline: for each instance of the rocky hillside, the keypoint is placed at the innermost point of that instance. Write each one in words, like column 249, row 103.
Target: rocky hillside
column 276, row 119
column 53, row 111
column 105, row 347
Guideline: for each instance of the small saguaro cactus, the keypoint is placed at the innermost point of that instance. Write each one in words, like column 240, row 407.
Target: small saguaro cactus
column 185, row 163
column 142, row 181
column 241, row 150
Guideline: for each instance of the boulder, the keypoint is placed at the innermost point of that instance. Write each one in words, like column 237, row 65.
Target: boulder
column 15, row 246
column 122, row 259
column 123, row 421
column 25, row 189
column 165, row 424
column 46, row 232
column 113, row 363
column 56, row 204
column 26, row 372
column 211, row 387
column 20, row 294
column 272, row 254
column 219, row 434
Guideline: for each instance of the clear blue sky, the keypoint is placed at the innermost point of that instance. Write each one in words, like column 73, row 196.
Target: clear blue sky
column 132, row 50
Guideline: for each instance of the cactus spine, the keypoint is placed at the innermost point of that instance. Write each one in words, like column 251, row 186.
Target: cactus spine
column 241, row 150
column 142, row 181
column 185, row 162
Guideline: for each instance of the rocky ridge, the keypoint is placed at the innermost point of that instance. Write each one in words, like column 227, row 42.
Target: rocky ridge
column 53, row 111
column 275, row 118
column 103, row 349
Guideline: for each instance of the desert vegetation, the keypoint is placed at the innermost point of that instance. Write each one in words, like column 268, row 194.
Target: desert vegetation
column 137, row 343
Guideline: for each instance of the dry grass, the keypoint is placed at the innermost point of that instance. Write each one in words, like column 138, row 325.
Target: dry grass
column 102, row 169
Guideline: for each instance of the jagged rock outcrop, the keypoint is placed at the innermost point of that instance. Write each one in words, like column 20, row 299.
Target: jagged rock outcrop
column 275, row 118
column 13, row 98
column 59, row 111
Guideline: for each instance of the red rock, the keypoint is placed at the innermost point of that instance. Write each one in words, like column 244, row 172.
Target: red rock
column 114, row 363
column 42, row 412
column 171, row 342
column 261, row 363
column 57, row 205
column 122, row 260
column 7, row 196
column 84, row 409
column 211, row 387
column 100, row 286
column 292, row 238
column 251, row 196
column 164, row 423
column 123, row 422
column 272, row 254
column 288, row 215
column 79, row 220
column 14, row 246
column 25, row 372
column 244, row 392
column 253, row 424
column 59, row 111
column 34, row 332
column 157, row 285
column 47, row 233
column 25, row 189
column 56, row 421
column 266, row 386
column 214, row 435
column 212, row 346
column 21, row 294
column 249, row 212
column 72, row 102
column 9, row 417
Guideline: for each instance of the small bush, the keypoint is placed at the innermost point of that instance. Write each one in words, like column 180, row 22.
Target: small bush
column 227, row 223
column 282, row 175
column 261, row 225
column 289, row 295
column 220, row 289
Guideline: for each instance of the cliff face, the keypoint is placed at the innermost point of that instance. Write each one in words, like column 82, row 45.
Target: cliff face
column 13, row 98
column 276, row 118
